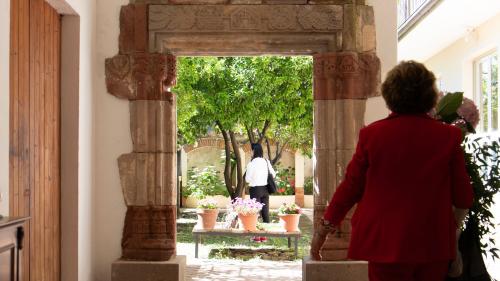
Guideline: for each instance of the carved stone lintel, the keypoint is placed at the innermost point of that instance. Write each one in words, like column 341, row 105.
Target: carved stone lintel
column 141, row 76
column 149, row 233
column 346, row 75
column 244, row 18
column 148, row 178
column 133, row 29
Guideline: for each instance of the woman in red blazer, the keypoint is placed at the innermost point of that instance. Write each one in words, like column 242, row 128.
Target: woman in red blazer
column 406, row 174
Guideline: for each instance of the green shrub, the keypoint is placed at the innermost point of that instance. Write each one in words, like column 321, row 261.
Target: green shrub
column 203, row 183
column 308, row 186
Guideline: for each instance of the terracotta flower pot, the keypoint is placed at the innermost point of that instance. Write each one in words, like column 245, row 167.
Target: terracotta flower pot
column 207, row 218
column 290, row 222
column 248, row 222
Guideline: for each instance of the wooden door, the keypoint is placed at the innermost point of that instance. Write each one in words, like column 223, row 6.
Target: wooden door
column 34, row 134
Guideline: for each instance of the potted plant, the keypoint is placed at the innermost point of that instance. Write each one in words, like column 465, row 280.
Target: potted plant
column 207, row 213
column 289, row 215
column 248, row 212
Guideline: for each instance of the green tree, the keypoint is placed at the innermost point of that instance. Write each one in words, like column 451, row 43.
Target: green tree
column 268, row 99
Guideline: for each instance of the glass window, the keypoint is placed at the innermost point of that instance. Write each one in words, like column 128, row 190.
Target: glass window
column 487, row 92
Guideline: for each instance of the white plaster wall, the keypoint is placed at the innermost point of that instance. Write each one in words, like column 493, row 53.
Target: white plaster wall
column 84, row 204
column 4, row 106
column 454, row 65
column 112, row 139
column 387, row 42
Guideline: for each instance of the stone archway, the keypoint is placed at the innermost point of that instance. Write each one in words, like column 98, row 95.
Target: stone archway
column 339, row 34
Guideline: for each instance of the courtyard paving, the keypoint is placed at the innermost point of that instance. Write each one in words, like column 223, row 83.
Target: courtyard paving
column 202, row 269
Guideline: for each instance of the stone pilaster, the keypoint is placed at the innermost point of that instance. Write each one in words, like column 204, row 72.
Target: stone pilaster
column 153, row 126
column 148, row 174
column 342, row 83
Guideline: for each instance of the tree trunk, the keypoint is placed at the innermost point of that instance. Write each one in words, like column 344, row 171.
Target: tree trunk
column 238, row 191
column 278, row 152
column 227, row 162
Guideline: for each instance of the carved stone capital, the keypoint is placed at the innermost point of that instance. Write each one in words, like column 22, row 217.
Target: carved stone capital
column 149, row 233
column 346, row 75
column 141, row 76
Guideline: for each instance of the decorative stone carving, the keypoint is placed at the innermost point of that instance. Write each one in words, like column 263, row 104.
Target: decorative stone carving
column 153, row 126
column 346, row 75
column 149, row 233
column 141, row 76
column 133, row 29
column 179, row 28
column 231, row 18
column 148, row 179
column 318, row 18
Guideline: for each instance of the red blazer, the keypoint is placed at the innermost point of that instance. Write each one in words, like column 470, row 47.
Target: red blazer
column 406, row 173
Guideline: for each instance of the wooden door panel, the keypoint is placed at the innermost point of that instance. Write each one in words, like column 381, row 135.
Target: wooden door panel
column 35, row 133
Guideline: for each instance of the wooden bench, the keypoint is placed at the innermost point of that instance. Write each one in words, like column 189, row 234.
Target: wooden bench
column 220, row 231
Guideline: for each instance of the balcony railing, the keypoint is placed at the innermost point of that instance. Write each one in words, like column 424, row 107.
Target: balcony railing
column 411, row 11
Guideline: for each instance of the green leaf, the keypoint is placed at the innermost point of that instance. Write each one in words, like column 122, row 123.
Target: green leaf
column 449, row 104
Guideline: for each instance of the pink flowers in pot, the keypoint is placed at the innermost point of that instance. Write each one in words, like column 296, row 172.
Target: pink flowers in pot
column 245, row 206
column 289, row 209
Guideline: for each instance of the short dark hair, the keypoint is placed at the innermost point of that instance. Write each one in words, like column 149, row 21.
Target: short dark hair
column 410, row 88
column 257, row 150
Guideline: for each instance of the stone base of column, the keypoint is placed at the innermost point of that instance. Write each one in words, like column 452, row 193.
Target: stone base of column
column 334, row 270
column 171, row 270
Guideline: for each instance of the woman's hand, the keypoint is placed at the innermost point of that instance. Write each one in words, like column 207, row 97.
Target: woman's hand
column 319, row 237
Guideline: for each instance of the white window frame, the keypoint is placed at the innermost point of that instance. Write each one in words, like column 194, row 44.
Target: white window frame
column 478, row 93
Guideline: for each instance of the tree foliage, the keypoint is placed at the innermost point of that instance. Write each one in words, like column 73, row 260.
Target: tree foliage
column 266, row 99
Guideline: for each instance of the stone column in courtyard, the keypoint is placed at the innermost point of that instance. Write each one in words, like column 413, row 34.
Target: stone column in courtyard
column 299, row 178
column 147, row 174
column 342, row 83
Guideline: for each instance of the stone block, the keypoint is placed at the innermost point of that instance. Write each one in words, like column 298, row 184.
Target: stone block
column 346, row 75
column 325, row 124
column 246, row 2
column 153, row 126
column 133, row 29
column 333, row 254
column 171, row 270
column 330, row 2
column 334, row 270
column 359, row 29
column 350, row 119
column 148, row 178
column 342, row 159
column 325, row 177
column 197, row 2
column 141, row 76
column 337, row 241
column 149, row 233
column 286, row 2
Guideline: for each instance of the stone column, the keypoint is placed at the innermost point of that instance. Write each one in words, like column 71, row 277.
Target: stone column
column 342, row 83
column 147, row 174
column 299, row 179
column 184, row 167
